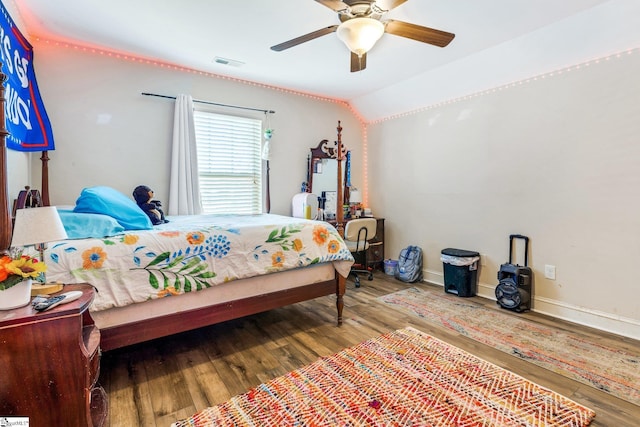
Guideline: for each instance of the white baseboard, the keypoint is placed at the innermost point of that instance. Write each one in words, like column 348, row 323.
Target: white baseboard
column 596, row 319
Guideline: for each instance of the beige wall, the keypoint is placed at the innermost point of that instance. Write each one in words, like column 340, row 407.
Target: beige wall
column 107, row 133
column 557, row 159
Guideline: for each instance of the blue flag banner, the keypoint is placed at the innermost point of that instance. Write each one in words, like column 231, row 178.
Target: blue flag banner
column 25, row 116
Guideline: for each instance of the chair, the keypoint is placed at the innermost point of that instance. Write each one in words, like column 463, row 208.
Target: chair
column 357, row 234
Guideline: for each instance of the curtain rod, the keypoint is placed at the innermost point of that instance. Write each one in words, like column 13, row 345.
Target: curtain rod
column 211, row 103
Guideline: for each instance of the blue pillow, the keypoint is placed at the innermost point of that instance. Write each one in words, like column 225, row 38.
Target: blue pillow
column 83, row 225
column 107, row 201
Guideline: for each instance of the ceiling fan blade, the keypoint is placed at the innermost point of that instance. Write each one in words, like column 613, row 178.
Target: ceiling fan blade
column 416, row 32
column 298, row 40
column 336, row 5
column 387, row 5
column 358, row 63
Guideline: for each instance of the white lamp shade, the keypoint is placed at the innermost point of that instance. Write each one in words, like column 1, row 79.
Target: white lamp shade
column 360, row 34
column 37, row 225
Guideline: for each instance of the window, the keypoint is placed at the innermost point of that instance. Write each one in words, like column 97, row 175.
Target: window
column 229, row 163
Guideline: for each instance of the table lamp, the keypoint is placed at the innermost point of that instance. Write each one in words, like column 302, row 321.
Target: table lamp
column 37, row 226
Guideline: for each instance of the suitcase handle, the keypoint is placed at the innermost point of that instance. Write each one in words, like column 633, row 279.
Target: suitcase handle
column 526, row 247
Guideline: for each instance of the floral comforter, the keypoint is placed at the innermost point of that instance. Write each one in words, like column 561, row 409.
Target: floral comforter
column 191, row 253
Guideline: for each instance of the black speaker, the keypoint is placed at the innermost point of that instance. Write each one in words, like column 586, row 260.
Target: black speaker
column 514, row 288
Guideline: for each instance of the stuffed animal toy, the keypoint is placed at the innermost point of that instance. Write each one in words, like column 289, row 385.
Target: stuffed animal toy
column 143, row 195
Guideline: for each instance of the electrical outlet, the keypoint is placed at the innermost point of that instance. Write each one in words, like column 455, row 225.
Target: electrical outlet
column 483, row 260
column 550, row 271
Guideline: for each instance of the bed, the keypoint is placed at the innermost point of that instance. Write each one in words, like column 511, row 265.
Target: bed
column 198, row 270
column 139, row 304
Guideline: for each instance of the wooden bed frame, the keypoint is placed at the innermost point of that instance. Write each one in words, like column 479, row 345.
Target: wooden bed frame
column 131, row 333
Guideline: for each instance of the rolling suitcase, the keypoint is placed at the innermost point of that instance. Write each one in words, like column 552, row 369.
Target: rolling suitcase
column 514, row 288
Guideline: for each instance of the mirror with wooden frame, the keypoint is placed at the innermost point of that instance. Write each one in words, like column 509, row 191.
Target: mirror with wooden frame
column 323, row 169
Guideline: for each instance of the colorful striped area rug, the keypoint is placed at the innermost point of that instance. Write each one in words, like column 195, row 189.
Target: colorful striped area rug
column 403, row 378
column 567, row 353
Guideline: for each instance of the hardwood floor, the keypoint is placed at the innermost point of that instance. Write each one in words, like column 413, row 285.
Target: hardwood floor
column 161, row 381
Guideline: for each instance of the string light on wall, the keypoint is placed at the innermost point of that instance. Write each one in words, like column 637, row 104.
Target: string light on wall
column 528, row 80
column 338, row 101
column 186, row 70
column 365, row 165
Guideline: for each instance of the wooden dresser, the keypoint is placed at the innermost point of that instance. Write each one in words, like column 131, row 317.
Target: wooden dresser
column 50, row 362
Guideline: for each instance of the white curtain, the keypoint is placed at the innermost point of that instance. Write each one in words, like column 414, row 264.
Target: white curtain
column 184, row 188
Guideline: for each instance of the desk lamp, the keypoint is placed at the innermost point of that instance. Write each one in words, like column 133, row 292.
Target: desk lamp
column 37, row 226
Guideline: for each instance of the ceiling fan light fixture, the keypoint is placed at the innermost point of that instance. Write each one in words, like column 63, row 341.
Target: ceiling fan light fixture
column 360, row 34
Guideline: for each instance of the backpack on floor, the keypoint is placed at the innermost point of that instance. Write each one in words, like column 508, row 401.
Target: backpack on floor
column 409, row 265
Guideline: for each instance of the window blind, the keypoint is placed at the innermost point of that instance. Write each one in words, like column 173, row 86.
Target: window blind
column 229, row 163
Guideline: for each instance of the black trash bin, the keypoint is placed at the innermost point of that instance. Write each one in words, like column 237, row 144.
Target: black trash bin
column 460, row 271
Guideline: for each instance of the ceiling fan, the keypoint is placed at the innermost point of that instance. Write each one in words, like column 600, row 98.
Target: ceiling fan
column 361, row 27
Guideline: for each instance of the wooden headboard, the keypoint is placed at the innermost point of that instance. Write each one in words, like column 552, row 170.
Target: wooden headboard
column 27, row 198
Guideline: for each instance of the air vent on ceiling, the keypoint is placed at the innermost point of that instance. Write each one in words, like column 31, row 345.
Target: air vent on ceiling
column 227, row 61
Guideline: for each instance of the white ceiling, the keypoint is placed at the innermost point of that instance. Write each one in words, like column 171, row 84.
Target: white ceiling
column 191, row 33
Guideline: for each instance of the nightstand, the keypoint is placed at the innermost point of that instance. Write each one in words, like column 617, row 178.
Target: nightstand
column 50, row 364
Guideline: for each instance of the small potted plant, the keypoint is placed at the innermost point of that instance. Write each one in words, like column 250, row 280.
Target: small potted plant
column 16, row 274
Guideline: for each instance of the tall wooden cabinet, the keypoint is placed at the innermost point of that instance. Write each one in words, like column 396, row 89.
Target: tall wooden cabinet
column 49, row 364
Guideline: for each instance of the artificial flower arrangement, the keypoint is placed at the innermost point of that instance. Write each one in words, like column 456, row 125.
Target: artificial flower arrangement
column 15, row 269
